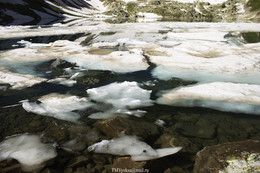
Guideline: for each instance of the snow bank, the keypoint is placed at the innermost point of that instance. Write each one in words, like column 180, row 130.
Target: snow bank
column 232, row 97
column 27, row 150
column 138, row 150
column 58, row 106
column 122, row 97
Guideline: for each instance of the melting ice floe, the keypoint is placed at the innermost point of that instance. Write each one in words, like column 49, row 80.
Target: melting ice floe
column 138, row 150
column 117, row 61
column 209, row 61
column 122, row 96
column 58, row 106
column 28, row 150
column 19, row 81
column 115, row 98
column 233, row 97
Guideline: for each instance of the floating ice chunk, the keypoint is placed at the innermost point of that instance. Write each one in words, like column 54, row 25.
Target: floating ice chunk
column 168, row 43
column 29, row 44
column 130, row 145
column 131, row 42
column 63, row 81
column 19, row 81
column 121, row 96
column 197, row 35
column 58, row 106
column 209, row 61
column 160, row 153
column 232, row 97
column 27, row 150
column 118, row 61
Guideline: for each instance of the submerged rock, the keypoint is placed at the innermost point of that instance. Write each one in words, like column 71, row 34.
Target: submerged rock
column 126, row 163
column 115, row 126
column 78, row 161
column 229, row 157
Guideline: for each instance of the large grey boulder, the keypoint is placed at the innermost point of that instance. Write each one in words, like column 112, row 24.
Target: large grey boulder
column 231, row 157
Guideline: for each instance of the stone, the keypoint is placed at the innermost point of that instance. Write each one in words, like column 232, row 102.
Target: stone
column 235, row 156
column 196, row 130
column 16, row 168
column 177, row 169
column 81, row 170
column 93, row 77
column 78, row 161
column 60, row 64
column 115, row 126
column 68, row 170
column 168, row 171
column 127, row 163
column 99, row 159
column 168, row 140
column 48, row 170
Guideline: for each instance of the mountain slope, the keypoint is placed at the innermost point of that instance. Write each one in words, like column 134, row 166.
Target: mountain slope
column 42, row 11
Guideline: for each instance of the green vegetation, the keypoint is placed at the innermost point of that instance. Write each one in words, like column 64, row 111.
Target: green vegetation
column 172, row 10
column 254, row 5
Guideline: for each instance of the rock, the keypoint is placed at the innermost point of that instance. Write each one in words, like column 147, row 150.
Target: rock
column 99, row 159
column 77, row 130
column 126, row 163
column 81, row 170
column 189, row 118
column 206, row 131
column 78, row 161
column 115, row 126
column 68, row 170
column 177, row 169
column 48, row 170
column 240, row 156
column 168, row 171
column 60, row 64
column 16, row 168
column 168, row 140
column 93, row 77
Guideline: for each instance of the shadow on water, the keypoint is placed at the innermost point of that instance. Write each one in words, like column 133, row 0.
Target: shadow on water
column 32, row 92
column 7, row 44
